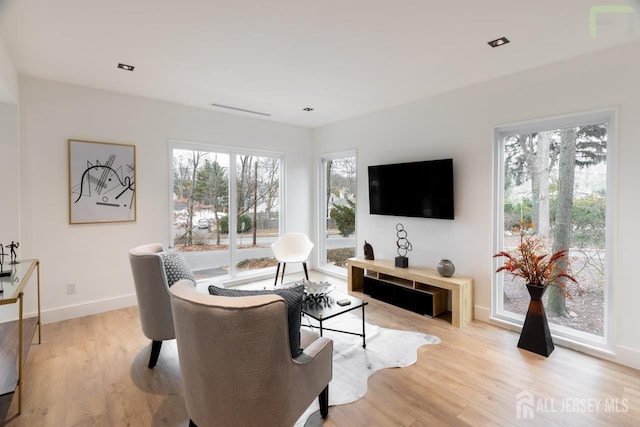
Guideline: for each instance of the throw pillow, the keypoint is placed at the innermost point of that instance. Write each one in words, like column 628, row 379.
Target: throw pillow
column 293, row 298
column 175, row 267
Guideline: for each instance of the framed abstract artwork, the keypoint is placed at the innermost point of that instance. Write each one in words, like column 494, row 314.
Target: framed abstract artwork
column 102, row 177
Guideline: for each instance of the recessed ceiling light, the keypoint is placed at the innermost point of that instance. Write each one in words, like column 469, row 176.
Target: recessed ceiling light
column 498, row 42
column 126, row 67
column 228, row 107
column 307, row 109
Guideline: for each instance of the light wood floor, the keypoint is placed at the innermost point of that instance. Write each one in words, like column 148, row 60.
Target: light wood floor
column 92, row 371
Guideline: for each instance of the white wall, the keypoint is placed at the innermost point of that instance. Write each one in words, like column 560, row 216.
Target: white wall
column 95, row 257
column 8, row 77
column 9, row 161
column 460, row 125
column 9, row 174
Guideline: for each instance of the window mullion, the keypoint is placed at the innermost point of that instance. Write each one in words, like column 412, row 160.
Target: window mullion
column 233, row 213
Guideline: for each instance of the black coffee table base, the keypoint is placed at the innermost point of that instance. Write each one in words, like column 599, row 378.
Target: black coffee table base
column 328, row 309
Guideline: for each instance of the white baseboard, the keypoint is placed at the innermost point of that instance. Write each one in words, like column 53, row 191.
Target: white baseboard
column 627, row 356
column 87, row 309
column 482, row 313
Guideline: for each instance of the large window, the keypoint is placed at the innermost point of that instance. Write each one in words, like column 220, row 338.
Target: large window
column 553, row 174
column 337, row 210
column 226, row 209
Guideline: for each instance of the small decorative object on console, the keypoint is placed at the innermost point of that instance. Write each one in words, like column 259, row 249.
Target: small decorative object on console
column 403, row 245
column 2, row 255
column 13, row 246
column 368, row 251
column 446, row 268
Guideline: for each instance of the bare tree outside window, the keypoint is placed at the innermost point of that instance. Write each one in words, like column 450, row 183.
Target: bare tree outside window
column 556, row 179
column 201, row 207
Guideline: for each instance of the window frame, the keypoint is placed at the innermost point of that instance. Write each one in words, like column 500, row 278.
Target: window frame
column 233, row 277
column 321, row 254
column 562, row 335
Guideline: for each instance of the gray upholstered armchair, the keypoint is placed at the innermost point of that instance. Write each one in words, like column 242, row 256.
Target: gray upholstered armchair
column 236, row 362
column 152, row 293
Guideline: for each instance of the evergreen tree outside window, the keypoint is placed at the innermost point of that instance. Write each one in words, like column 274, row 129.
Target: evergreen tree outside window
column 225, row 209
column 554, row 174
column 337, row 211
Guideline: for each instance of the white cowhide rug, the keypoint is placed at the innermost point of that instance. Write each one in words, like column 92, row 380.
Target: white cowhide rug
column 352, row 364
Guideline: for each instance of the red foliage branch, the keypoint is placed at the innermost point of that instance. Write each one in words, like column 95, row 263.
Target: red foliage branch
column 530, row 260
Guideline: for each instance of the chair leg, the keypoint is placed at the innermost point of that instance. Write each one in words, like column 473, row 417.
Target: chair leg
column 306, row 273
column 277, row 271
column 155, row 353
column 284, row 264
column 323, row 399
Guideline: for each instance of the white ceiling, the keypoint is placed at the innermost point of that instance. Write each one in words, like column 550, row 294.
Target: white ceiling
column 342, row 57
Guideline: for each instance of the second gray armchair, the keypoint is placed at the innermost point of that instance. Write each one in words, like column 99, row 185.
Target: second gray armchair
column 152, row 292
column 236, row 362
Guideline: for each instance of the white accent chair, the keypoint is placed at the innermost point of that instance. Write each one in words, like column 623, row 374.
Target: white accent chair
column 236, row 363
column 152, row 292
column 292, row 247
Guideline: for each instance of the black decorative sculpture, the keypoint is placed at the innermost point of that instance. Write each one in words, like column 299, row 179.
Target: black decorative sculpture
column 13, row 246
column 403, row 246
column 368, row 251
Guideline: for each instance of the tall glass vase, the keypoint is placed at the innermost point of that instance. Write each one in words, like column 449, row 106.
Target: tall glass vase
column 535, row 335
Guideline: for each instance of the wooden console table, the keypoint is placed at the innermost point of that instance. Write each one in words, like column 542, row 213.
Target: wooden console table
column 16, row 336
column 417, row 278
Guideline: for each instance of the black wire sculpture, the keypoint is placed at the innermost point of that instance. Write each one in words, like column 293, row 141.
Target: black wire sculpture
column 404, row 246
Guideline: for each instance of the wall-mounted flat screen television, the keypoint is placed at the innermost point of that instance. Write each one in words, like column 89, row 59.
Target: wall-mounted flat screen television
column 416, row 189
